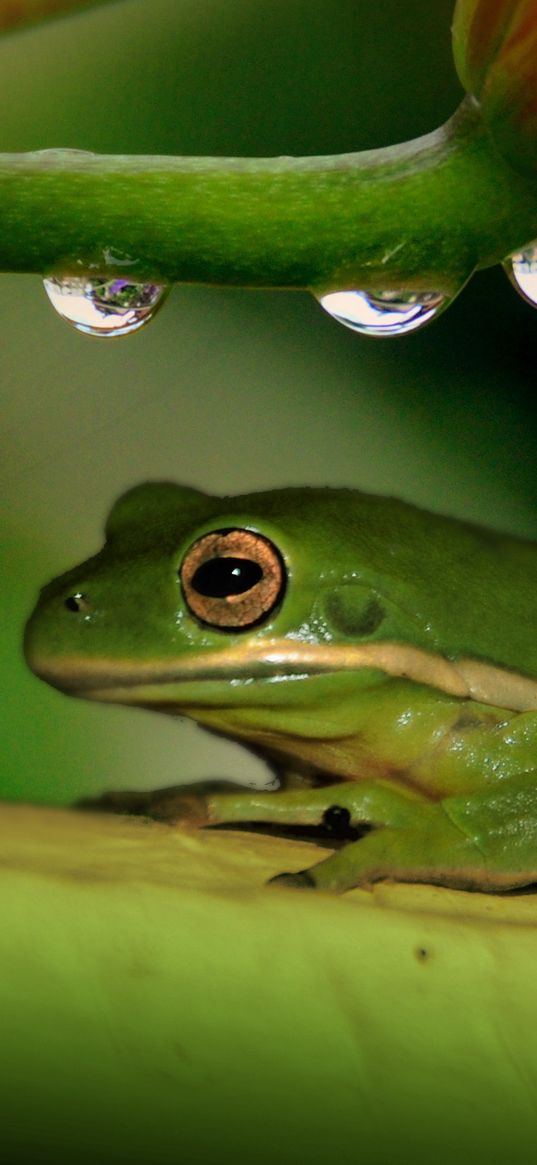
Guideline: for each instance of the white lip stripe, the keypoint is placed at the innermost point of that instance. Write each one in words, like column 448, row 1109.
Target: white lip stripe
column 465, row 678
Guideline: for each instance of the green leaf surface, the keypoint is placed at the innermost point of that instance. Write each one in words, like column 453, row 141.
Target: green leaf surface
column 160, row 1004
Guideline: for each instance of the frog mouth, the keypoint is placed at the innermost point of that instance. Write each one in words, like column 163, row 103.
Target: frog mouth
column 146, row 681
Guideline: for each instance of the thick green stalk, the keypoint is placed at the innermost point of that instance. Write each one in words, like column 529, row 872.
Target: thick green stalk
column 423, row 214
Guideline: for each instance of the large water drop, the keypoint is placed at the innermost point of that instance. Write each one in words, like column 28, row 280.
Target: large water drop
column 102, row 305
column 382, row 313
column 522, row 271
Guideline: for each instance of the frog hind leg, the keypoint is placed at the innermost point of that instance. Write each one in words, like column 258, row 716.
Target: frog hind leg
column 486, row 842
column 461, row 842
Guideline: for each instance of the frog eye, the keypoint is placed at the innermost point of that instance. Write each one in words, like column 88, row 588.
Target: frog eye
column 232, row 579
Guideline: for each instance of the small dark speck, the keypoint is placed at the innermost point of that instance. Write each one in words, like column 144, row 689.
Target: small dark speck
column 466, row 721
column 165, row 1075
column 181, row 1052
column 422, row 954
column 140, row 969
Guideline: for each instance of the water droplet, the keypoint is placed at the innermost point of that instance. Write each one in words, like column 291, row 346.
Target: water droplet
column 522, row 271
column 103, row 304
column 383, row 313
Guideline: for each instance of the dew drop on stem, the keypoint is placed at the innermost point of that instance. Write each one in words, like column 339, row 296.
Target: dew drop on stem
column 522, row 271
column 104, row 304
column 383, row 312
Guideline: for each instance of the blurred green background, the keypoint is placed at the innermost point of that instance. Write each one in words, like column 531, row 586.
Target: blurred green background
column 231, row 390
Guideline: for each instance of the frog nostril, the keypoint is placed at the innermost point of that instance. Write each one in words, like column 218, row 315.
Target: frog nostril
column 78, row 602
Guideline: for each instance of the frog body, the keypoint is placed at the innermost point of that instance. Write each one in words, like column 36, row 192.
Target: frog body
column 382, row 658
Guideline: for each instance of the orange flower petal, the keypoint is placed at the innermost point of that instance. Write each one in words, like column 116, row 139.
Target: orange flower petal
column 479, row 29
column 495, row 48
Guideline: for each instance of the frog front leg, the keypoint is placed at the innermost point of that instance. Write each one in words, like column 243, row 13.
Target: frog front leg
column 213, row 803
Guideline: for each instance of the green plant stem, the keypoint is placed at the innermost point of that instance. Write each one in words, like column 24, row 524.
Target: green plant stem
column 423, row 214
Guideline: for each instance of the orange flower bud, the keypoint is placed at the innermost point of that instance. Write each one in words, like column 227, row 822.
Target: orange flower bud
column 495, row 49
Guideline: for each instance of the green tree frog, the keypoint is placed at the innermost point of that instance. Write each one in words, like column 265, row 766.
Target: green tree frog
column 382, row 658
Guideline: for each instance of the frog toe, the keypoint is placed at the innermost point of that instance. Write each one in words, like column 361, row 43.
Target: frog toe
column 176, row 804
column 302, row 880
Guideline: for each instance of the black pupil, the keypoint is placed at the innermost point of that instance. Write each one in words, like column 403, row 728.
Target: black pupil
column 219, row 577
